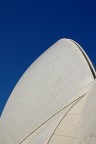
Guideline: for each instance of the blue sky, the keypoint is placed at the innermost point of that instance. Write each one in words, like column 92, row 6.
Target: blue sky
column 28, row 28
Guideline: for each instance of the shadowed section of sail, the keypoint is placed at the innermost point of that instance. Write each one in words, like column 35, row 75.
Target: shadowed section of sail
column 86, row 132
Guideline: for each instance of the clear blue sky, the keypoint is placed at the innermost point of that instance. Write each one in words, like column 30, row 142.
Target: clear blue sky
column 28, row 28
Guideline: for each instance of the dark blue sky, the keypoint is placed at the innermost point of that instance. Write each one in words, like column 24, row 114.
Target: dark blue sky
column 28, row 28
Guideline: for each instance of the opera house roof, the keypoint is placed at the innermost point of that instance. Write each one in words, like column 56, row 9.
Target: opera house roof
column 54, row 101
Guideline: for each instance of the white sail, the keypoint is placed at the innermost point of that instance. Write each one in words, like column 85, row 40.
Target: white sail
column 55, row 80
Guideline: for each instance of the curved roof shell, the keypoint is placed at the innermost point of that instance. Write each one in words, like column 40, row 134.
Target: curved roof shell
column 45, row 93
